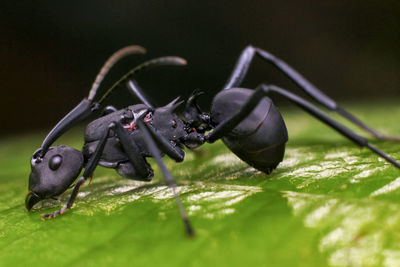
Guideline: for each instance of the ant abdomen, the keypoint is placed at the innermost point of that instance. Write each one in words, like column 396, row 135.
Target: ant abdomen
column 260, row 138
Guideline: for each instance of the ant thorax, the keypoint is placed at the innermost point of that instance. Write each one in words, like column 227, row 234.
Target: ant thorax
column 130, row 122
column 168, row 124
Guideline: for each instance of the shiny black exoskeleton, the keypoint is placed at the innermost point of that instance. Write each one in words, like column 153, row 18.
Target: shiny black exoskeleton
column 172, row 131
column 260, row 138
column 246, row 120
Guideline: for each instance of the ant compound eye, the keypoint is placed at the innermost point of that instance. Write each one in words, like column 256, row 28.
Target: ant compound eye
column 55, row 162
column 174, row 124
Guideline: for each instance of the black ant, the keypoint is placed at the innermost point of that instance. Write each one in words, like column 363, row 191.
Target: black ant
column 246, row 120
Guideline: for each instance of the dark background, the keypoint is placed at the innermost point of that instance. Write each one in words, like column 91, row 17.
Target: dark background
column 51, row 51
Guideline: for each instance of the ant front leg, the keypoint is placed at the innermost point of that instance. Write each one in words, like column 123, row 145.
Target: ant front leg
column 90, row 167
column 133, row 152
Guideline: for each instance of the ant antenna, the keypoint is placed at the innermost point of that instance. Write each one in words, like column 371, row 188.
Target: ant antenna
column 161, row 61
column 121, row 53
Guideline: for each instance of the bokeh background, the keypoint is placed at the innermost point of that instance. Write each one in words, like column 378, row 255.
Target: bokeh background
column 50, row 51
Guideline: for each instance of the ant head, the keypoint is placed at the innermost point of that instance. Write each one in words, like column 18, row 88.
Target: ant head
column 52, row 173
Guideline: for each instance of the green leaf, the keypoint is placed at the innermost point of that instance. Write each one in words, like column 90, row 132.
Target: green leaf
column 328, row 203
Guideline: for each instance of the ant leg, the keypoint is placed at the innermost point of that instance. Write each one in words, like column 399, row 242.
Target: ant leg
column 265, row 90
column 133, row 152
column 156, row 153
column 243, row 65
column 135, row 90
column 90, row 167
column 174, row 152
column 107, row 110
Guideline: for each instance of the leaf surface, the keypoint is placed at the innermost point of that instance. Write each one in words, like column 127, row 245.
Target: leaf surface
column 328, row 203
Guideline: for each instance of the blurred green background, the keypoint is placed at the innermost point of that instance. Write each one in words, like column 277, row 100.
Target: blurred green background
column 51, row 50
